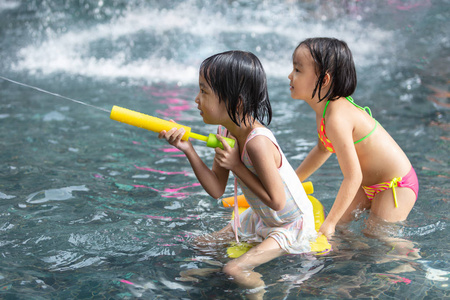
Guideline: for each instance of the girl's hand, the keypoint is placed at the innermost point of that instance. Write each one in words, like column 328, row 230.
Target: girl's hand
column 173, row 137
column 327, row 229
column 228, row 158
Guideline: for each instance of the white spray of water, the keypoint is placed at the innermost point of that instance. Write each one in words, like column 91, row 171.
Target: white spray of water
column 69, row 52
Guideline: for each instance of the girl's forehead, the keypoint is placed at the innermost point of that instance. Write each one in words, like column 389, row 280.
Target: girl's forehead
column 203, row 82
column 303, row 58
column 302, row 53
column 202, row 79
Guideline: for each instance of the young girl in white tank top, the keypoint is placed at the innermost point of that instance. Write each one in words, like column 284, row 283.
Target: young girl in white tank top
column 233, row 94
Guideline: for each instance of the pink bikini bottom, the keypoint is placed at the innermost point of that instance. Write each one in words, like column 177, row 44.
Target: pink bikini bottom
column 409, row 181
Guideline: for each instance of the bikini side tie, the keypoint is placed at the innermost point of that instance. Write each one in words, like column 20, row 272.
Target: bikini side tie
column 393, row 184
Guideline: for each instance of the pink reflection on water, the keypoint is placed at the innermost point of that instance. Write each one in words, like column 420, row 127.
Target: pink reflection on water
column 173, row 150
column 172, row 192
column 172, row 98
column 164, row 218
column 161, row 172
column 127, row 282
column 175, row 108
column 393, row 278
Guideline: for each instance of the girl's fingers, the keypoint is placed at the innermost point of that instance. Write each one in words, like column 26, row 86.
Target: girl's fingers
column 172, row 135
column 226, row 147
column 180, row 133
column 162, row 134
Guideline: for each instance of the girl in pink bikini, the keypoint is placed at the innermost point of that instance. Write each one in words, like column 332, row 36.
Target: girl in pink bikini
column 377, row 173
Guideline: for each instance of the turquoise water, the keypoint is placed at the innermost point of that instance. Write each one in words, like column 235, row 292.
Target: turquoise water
column 92, row 208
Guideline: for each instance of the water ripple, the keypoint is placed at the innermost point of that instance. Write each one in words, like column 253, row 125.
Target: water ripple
column 425, row 230
column 66, row 260
column 61, row 194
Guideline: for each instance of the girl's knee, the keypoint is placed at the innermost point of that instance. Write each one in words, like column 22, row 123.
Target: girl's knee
column 232, row 269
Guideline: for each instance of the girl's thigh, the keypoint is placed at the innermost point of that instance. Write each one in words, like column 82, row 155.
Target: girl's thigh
column 359, row 203
column 266, row 251
column 383, row 204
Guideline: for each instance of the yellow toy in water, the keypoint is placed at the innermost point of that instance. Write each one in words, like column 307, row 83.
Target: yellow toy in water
column 321, row 246
column 141, row 120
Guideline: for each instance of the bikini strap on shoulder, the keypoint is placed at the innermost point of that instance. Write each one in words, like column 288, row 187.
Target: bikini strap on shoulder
column 365, row 108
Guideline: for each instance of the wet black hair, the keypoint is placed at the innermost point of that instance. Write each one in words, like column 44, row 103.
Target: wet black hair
column 334, row 57
column 238, row 79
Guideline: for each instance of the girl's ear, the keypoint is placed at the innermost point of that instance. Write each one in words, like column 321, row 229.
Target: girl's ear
column 326, row 80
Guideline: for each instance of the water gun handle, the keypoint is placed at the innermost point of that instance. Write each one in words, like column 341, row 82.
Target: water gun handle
column 141, row 120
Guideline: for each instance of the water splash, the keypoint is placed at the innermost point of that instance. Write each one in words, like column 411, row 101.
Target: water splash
column 160, row 44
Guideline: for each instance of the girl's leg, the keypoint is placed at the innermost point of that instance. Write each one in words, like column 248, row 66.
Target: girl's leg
column 383, row 205
column 382, row 217
column 241, row 268
column 208, row 244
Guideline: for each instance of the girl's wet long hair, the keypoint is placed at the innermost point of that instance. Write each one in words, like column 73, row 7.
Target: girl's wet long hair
column 238, row 79
column 332, row 56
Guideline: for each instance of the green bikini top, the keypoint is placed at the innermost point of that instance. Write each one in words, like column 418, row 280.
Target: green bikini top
column 322, row 135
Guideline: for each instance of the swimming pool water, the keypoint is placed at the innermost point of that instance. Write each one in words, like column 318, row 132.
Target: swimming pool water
column 92, row 208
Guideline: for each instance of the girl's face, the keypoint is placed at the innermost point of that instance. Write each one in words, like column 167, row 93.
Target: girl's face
column 303, row 77
column 212, row 111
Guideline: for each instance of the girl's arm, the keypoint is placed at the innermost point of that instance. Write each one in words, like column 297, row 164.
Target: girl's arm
column 340, row 133
column 313, row 161
column 266, row 158
column 213, row 181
